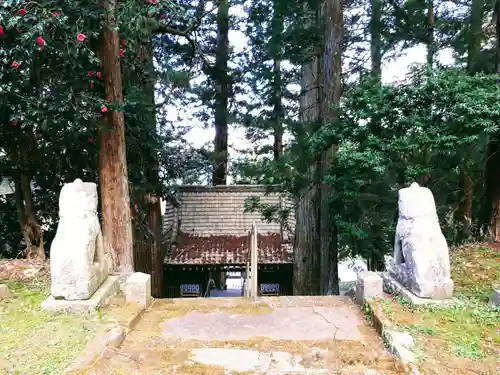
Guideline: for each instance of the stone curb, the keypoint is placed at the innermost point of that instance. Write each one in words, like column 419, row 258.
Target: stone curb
column 495, row 296
column 110, row 337
column 398, row 343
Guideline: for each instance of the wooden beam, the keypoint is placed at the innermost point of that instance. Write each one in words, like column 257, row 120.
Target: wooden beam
column 253, row 258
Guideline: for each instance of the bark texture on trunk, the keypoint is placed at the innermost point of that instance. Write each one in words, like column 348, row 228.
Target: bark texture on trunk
column 431, row 23
column 332, row 90
column 492, row 187
column 306, row 241
column 376, row 39
column 305, row 252
column 221, row 79
column 152, row 199
column 276, row 48
column 153, row 209
column 466, row 184
column 315, row 248
column 30, row 227
column 492, row 165
column 375, row 262
column 475, row 35
column 113, row 175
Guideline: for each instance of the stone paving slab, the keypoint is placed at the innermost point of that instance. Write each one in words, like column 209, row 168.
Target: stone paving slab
column 220, row 336
column 320, row 323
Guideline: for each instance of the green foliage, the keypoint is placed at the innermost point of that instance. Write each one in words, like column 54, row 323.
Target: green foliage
column 422, row 125
column 48, row 342
column 52, row 98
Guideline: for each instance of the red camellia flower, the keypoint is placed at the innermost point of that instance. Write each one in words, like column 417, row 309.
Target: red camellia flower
column 13, row 123
column 98, row 75
column 124, row 42
column 90, row 139
column 91, row 85
column 1, row 30
column 164, row 15
column 147, row 14
column 104, row 108
column 40, row 41
column 22, row 12
column 56, row 14
column 19, row 30
column 80, row 37
column 122, row 52
column 15, row 64
column 90, row 74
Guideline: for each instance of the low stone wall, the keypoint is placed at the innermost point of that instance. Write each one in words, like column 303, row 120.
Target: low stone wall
column 4, row 291
column 137, row 288
column 369, row 289
column 495, row 296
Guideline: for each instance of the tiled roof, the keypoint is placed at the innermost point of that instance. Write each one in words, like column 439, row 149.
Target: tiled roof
column 220, row 210
column 228, row 250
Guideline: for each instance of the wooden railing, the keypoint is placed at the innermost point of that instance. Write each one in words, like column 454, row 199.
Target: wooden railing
column 251, row 283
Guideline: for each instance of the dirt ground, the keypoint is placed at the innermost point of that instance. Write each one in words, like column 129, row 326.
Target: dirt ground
column 277, row 335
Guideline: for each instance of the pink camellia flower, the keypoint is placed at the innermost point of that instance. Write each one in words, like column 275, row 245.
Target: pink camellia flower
column 104, row 108
column 122, row 52
column 40, row 41
column 15, row 64
column 13, row 123
column 22, row 12
column 98, row 75
column 56, row 14
column 1, row 30
column 124, row 42
column 19, row 30
column 90, row 140
column 80, row 37
column 164, row 16
column 90, row 74
column 91, row 85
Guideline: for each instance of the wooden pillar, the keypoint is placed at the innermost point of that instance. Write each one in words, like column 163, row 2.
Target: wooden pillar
column 254, row 263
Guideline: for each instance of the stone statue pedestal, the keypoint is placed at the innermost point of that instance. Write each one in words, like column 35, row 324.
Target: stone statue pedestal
column 108, row 289
column 79, row 264
column 434, row 289
column 421, row 261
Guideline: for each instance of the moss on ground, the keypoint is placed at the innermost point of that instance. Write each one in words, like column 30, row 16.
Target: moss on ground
column 34, row 341
column 462, row 338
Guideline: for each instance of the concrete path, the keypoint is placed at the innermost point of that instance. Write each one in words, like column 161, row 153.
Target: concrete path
column 274, row 335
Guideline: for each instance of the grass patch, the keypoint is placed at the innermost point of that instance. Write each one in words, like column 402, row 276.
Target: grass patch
column 462, row 338
column 475, row 269
column 33, row 341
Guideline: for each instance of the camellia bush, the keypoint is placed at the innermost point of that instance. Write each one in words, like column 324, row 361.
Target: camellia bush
column 52, row 94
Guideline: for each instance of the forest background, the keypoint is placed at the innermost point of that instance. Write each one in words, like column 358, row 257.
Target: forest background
column 107, row 91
